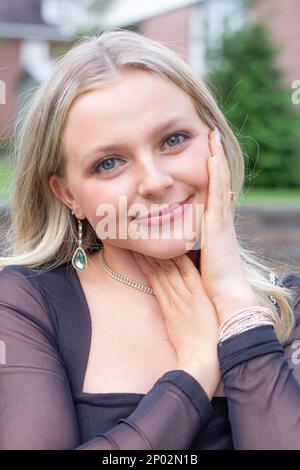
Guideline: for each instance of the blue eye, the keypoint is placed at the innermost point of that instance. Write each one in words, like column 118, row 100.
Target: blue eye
column 107, row 168
column 107, row 161
column 176, row 134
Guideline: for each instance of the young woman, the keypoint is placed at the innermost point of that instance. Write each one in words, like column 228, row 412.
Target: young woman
column 115, row 341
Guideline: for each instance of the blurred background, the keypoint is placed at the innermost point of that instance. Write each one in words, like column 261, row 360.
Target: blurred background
column 247, row 52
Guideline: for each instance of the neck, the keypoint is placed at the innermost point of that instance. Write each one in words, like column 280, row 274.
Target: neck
column 122, row 261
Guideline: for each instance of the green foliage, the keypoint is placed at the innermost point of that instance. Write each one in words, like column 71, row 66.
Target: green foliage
column 6, row 176
column 250, row 90
column 6, row 146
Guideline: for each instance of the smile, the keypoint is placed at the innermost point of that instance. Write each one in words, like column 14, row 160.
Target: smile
column 164, row 216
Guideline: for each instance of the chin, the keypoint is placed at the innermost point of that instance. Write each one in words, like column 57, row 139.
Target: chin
column 164, row 249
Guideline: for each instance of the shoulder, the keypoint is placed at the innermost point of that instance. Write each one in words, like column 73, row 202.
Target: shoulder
column 54, row 295
column 38, row 278
column 23, row 295
column 19, row 277
column 15, row 274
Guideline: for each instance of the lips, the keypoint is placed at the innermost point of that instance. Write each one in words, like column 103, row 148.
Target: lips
column 166, row 210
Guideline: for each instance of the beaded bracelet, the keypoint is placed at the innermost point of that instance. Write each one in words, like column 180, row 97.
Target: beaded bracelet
column 244, row 320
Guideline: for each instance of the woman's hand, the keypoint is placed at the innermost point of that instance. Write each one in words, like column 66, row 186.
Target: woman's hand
column 222, row 271
column 190, row 316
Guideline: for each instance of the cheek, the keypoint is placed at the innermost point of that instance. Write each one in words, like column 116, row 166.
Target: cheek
column 90, row 196
column 109, row 203
column 195, row 169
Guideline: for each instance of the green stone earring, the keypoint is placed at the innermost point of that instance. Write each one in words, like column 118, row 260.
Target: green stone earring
column 79, row 259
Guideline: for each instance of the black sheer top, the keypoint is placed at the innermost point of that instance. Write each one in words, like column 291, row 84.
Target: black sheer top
column 45, row 336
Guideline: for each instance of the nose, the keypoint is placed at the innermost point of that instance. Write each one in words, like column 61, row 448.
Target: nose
column 154, row 180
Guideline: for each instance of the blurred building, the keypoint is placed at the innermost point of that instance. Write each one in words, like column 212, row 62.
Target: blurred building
column 34, row 32
column 28, row 44
column 283, row 19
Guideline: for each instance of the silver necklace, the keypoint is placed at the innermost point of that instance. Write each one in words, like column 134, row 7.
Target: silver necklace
column 120, row 277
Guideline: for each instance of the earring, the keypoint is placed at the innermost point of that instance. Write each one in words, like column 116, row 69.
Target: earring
column 79, row 259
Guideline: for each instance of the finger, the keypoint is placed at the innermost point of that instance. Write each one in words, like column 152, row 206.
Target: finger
column 216, row 148
column 151, row 277
column 216, row 151
column 215, row 188
column 173, row 275
column 167, row 277
column 190, row 274
column 215, row 142
column 165, row 295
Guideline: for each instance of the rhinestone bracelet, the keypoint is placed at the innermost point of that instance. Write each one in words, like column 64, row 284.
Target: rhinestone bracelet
column 249, row 314
column 244, row 327
column 241, row 314
column 244, row 320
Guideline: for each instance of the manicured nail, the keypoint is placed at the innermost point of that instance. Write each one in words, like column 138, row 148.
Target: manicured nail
column 217, row 137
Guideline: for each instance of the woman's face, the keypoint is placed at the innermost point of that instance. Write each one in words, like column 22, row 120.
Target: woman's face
column 144, row 164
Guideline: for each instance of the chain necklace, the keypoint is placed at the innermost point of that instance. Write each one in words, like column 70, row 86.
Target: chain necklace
column 120, row 277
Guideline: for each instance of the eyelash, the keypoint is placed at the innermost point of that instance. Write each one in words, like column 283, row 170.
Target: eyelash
column 94, row 169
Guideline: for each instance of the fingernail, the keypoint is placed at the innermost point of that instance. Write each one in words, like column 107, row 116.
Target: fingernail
column 217, row 137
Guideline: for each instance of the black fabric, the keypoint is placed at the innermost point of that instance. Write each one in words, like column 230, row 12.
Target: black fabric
column 45, row 330
column 262, row 385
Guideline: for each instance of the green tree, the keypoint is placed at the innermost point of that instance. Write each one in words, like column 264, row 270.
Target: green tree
column 250, row 90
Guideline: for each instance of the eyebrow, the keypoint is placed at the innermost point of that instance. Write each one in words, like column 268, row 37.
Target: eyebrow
column 112, row 147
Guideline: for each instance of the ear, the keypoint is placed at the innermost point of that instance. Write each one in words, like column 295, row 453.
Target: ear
column 61, row 191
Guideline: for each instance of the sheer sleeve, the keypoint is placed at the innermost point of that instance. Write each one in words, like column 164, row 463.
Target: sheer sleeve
column 36, row 405
column 262, row 385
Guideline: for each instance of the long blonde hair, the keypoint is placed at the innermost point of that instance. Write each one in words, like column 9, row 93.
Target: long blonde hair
column 43, row 232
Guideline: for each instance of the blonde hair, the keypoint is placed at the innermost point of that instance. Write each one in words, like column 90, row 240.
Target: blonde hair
column 43, row 232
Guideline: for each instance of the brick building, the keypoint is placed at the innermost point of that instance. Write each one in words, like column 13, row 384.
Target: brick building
column 284, row 21
column 33, row 32
column 27, row 47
